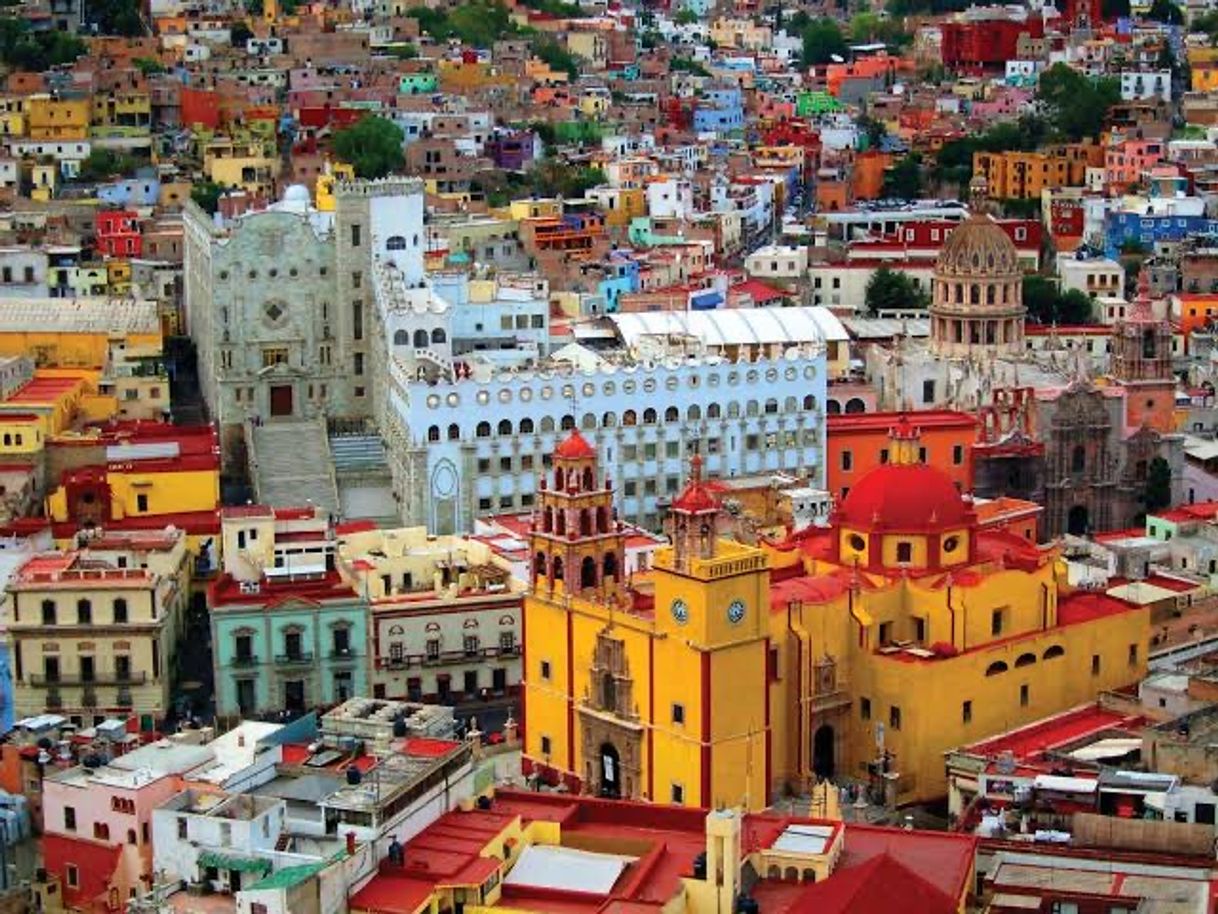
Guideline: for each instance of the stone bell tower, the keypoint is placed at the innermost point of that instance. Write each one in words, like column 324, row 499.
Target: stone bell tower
column 577, row 542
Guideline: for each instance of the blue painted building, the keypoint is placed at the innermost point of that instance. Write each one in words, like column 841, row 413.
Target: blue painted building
column 719, row 110
column 126, row 192
column 622, row 278
column 1124, row 228
column 476, row 445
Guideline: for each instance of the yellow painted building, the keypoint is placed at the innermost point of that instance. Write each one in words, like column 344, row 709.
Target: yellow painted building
column 93, row 632
column 12, row 123
column 131, row 108
column 866, row 648
column 1203, row 68
column 77, row 334
column 44, row 181
column 246, row 164
column 50, row 118
column 597, row 714
column 331, row 174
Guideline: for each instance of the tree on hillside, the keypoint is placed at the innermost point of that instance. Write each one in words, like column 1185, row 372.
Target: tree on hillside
column 822, row 41
column 903, row 179
column 1158, row 485
column 102, row 164
column 24, row 49
column 890, row 290
column 207, row 194
column 373, row 146
column 1046, row 304
column 1077, row 105
column 1166, row 12
column 115, row 17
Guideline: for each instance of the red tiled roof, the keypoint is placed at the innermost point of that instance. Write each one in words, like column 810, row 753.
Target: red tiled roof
column 881, row 885
column 944, row 860
column 1030, row 742
column 759, row 291
column 391, row 894
column 1087, row 606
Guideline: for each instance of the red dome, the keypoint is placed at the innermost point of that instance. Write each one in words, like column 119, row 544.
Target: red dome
column 697, row 496
column 574, row 447
column 905, row 497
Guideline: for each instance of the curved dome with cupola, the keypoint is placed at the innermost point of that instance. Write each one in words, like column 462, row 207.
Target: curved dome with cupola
column 976, row 305
column 905, row 514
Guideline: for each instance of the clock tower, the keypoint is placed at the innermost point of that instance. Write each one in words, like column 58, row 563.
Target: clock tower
column 657, row 689
column 712, row 606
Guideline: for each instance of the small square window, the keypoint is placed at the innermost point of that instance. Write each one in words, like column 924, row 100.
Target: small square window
column 865, row 708
column 1095, row 664
column 678, row 794
column 1023, row 695
column 545, row 670
column 1133, row 655
column 904, row 553
column 545, row 745
column 966, row 712
column 678, row 713
column 894, row 718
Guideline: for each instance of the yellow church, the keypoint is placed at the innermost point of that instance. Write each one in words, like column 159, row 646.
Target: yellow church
column 865, row 649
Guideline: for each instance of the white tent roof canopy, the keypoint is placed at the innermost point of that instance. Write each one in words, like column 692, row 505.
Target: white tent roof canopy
column 736, row 326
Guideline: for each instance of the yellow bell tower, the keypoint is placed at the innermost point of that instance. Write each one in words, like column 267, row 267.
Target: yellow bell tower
column 711, row 608
column 270, row 11
column 620, row 681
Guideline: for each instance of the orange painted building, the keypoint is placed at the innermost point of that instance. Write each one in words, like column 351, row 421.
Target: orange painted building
column 868, row 175
column 1193, row 310
column 860, row 442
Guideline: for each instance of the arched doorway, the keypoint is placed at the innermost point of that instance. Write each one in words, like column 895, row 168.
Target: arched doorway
column 823, row 751
column 611, row 772
column 1078, row 521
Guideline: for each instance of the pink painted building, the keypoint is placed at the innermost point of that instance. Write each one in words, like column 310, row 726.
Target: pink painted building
column 1126, row 162
column 97, row 822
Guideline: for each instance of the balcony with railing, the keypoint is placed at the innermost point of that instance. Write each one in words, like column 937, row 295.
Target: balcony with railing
column 245, row 660
column 75, row 679
column 444, row 658
column 295, row 659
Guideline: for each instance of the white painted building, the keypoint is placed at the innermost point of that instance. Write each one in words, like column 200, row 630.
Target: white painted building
column 1093, row 276
column 1142, row 84
column 786, row 263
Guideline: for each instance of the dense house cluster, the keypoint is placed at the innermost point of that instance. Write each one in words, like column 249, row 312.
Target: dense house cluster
column 608, row 456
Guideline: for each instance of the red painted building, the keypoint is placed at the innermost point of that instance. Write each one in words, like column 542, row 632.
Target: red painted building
column 1065, row 221
column 922, row 240
column 199, row 107
column 981, row 44
column 118, row 233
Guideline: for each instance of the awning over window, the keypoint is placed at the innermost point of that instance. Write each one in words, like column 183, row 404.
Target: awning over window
column 233, row 862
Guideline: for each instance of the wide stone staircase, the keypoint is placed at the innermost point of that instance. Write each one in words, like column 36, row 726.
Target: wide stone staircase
column 291, row 465
column 365, row 484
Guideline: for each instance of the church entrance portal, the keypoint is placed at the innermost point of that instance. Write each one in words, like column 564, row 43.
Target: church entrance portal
column 823, row 751
column 1078, row 521
column 281, row 400
column 611, row 772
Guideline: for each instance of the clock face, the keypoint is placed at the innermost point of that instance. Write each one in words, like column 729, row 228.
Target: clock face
column 680, row 612
column 735, row 612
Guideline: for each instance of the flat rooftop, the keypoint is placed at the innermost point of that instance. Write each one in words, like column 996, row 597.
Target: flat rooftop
column 81, row 315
